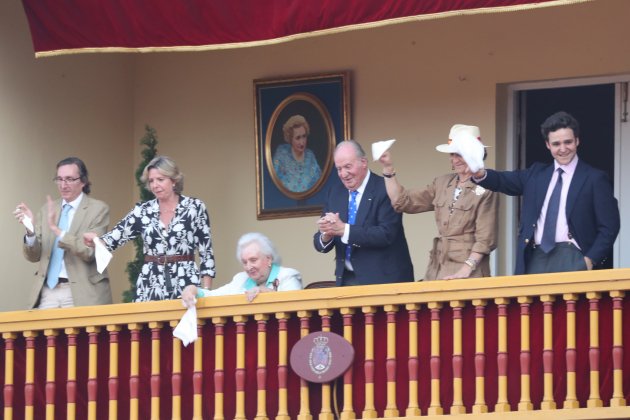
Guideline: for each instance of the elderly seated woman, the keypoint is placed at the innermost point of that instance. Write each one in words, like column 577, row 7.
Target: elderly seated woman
column 263, row 272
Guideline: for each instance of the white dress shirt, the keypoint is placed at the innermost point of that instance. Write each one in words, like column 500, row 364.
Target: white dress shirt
column 74, row 204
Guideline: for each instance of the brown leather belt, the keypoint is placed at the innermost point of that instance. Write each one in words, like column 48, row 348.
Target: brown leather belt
column 167, row 259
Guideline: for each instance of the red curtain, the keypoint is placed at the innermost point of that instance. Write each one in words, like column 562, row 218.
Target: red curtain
column 64, row 26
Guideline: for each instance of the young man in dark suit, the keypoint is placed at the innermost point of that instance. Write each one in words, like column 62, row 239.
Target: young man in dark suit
column 569, row 217
column 359, row 223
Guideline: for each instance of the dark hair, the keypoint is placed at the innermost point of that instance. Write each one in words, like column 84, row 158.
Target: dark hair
column 558, row 121
column 83, row 172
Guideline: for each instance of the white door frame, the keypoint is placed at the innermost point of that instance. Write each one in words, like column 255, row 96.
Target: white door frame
column 621, row 158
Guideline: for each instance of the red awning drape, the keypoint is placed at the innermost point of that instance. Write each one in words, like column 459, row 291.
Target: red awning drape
column 70, row 26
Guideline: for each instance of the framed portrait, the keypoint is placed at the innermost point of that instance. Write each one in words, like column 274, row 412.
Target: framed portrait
column 299, row 121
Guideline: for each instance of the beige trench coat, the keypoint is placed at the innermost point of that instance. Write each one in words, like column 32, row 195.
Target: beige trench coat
column 468, row 225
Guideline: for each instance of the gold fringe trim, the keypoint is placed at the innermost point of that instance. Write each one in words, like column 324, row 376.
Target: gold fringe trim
column 313, row 34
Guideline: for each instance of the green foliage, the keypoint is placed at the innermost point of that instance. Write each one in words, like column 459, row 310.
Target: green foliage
column 149, row 151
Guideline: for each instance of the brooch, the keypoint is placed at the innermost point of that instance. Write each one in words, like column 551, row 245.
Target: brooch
column 479, row 190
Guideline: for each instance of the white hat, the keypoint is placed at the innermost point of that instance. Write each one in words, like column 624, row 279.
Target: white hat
column 380, row 147
column 457, row 138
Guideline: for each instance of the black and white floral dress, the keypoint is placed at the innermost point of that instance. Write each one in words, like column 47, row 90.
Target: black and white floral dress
column 188, row 230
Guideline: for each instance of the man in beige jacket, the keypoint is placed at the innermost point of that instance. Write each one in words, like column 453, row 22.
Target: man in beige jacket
column 66, row 274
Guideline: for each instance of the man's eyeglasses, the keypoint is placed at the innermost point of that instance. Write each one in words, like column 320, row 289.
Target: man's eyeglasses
column 59, row 180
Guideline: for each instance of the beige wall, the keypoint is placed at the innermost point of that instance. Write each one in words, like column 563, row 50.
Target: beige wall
column 75, row 105
column 411, row 82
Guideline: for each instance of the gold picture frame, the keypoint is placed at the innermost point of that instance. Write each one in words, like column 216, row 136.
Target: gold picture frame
column 286, row 185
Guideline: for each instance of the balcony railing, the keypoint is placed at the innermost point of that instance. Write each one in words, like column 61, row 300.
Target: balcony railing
column 504, row 347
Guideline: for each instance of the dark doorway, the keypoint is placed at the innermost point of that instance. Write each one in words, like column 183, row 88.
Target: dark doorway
column 594, row 108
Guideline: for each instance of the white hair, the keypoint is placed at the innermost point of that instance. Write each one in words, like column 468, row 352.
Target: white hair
column 267, row 247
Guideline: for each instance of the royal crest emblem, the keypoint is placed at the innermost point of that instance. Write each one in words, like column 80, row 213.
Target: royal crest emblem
column 320, row 356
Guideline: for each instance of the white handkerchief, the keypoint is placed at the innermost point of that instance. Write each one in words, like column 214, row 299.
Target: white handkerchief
column 470, row 149
column 103, row 256
column 381, row 147
column 28, row 223
column 186, row 329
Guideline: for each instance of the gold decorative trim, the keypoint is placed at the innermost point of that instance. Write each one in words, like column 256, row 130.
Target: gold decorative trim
column 312, row 34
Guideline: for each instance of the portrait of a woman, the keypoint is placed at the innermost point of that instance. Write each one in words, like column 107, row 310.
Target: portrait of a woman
column 294, row 163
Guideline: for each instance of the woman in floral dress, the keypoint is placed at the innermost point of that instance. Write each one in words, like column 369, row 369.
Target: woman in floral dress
column 172, row 227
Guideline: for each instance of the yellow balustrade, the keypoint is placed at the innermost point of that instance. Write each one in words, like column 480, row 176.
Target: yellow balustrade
column 326, row 412
column 617, row 399
column 594, row 399
column 219, row 368
column 458, row 359
column 156, row 328
column 283, row 367
column 435, row 408
column 305, row 410
column 261, row 377
column 407, row 315
column 176, row 377
column 9, row 357
column 502, row 404
column 71, row 385
column 134, row 370
column 29, row 382
column 240, row 321
column 113, row 384
column 480, row 357
column 413, row 408
column 525, row 404
column 93, row 332
column 369, row 410
column 571, row 352
column 197, row 372
column 548, row 403
column 51, row 362
column 348, row 411
column 391, row 409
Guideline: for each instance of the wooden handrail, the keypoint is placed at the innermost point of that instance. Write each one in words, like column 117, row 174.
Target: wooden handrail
column 492, row 345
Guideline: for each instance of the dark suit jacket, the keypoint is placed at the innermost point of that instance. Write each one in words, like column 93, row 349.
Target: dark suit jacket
column 380, row 253
column 592, row 211
column 88, row 286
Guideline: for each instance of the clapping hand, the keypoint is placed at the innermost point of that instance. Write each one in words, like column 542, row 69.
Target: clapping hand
column 330, row 225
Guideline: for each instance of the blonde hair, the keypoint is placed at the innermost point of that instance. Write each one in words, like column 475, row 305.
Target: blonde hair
column 167, row 167
column 293, row 123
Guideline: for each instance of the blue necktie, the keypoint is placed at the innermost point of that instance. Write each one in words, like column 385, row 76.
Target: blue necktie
column 548, row 241
column 352, row 215
column 56, row 257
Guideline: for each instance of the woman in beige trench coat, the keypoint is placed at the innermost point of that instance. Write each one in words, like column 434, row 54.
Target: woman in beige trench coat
column 465, row 213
